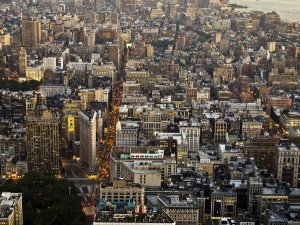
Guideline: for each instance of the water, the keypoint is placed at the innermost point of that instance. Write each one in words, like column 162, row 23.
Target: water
column 289, row 10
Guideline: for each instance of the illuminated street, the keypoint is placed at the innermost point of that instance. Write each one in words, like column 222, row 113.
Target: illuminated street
column 72, row 169
column 111, row 129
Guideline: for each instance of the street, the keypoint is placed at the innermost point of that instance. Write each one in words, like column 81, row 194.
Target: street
column 110, row 137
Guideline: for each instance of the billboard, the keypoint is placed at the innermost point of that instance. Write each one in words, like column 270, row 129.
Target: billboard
column 71, row 123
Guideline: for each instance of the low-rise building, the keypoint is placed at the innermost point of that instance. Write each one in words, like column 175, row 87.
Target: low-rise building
column 53, row 90
column 189, row 211
column 121, row 191
column 11, row 208
column 35, row 73
column 145, row 165
column 228, row 151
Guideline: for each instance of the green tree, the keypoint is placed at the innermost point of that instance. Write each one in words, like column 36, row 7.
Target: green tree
column 47, row 200
column 13, row 85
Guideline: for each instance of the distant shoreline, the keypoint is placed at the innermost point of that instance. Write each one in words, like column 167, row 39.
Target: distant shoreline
column 288, row 10
column 237, row 6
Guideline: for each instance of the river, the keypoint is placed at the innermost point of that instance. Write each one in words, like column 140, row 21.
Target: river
column 289, row 10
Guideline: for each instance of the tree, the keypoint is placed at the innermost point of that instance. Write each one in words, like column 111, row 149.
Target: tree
column 163, row 43
column 46, row 200
column 13, row 85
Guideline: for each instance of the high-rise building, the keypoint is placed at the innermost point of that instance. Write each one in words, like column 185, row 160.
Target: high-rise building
column 220, row 130
column 191, row 132
column 255, row 186
column 31, row 33
column 42, row 141
column 152, row 121
column 287, row 163
column 22, row 62
column 114, row 55
column 223, row 203
column 88, row 137
column 90, row 39
column 262, row 149
column 127, row 133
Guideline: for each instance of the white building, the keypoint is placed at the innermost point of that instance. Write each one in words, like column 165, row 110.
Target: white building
column 191, row 132
column 287, row 163
column 52, row 90
column 49, row 63
column 145, row 165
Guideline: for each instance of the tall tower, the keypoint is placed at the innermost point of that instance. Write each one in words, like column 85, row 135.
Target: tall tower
column 88, row 136
column 31, row 33
column 42, row 141
column 98, row 4
column 114, row 55
column 22, row 62
column 90, row 39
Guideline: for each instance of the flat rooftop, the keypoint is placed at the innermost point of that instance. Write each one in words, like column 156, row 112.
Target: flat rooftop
column 190, row 202
column 224, row 148
column 123, row 218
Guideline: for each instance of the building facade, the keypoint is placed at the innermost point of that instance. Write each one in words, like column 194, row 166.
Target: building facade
column 88, row 137
column 287, row 163
column 42, row 143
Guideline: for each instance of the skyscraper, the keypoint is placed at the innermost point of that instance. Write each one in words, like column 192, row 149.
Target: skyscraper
column 88, row 136
column 42, row 141
column 22, row 62
column 31, row 33
column 114, row 55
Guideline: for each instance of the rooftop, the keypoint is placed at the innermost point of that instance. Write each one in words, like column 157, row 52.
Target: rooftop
column 173, row 201
column 123, row 218
column 224, row 148
column 288, row 147
column 7, row 201
column 274, row 191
